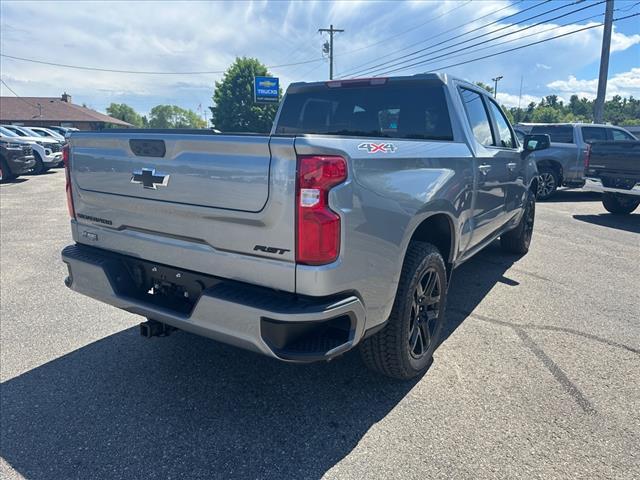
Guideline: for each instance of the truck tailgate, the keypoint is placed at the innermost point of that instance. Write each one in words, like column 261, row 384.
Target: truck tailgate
column 620, row 157
column 212, row 171
column 204, row 202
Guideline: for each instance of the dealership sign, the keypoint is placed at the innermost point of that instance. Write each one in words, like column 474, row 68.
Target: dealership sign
column 266, row 90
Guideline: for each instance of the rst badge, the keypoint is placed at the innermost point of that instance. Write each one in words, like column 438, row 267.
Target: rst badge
column 149, row 178
column 378, row 147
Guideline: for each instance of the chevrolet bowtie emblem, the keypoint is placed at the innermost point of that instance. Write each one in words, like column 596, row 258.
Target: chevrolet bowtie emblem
column 149, row 178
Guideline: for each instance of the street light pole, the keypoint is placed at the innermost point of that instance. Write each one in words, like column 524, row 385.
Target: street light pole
column 495, row 85
column 330, row 31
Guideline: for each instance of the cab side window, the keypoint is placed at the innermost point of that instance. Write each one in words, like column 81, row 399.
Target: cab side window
column 477, row 115
column 593, row 134
column 505, row 137
column 620, row 135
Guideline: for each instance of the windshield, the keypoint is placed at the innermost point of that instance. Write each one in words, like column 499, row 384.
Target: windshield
column 399, row 110
column 7, row 133
column 31, row 133
column 52, row 134
column 19, row 132
column 39, row 133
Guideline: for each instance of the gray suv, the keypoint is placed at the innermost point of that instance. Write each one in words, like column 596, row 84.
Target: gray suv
column 563, row 163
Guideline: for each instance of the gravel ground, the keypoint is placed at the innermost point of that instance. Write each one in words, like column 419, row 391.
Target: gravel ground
column 539, row 376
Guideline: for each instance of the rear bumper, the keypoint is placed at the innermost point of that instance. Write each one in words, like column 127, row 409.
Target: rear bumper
column 595, row 185
column 281, row 325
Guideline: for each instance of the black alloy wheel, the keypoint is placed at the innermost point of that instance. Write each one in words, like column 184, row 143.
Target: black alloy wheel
column 425, row 311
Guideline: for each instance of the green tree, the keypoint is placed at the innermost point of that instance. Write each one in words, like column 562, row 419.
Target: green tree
column 509, row 114
column 485, row 86
column 551, row 109
column 546, row 114
column 172, row 116
column 233, row 106
column 124, row 112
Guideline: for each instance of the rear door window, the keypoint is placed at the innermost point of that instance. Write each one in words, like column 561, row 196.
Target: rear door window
column 558, row 133
column 594, row 134
column 505, row 137
column 620, row 135
column 416, row 110
column 477, row 115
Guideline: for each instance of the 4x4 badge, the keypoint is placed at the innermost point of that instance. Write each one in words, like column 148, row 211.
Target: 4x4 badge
column 378, row 147
column 149, row 178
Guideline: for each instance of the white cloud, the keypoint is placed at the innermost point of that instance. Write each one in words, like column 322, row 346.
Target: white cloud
column 510, row 100
column 621, row 42
column 625, row 84
column 195, row 36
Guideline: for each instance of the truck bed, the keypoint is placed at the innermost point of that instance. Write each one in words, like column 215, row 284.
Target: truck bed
column 615, row 164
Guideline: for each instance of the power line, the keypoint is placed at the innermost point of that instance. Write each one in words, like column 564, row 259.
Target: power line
column 404, row 32
column 350, row 52
column 519, row 47
column 138, row 72
column 18, row 96
column 355, row 70
column 433, row 37
column 400, row 60
column 556, row 27
column 628, row 8
column 446, row 54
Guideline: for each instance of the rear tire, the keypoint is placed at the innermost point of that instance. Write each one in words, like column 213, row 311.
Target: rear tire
column 548, row 182
column 618, row 204
column 404, row 348
column 518, row 240
column 5, row 172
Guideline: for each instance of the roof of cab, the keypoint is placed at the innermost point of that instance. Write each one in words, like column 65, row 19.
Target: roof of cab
column 443, row 77
column 565, row 124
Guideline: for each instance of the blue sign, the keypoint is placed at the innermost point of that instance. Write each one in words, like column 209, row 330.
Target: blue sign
column 266, row 90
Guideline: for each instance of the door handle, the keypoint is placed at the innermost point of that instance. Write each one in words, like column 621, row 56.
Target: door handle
column 512, row 166
column 484, row 169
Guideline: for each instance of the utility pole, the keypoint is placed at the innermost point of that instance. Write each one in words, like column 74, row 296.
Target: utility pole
column 495, row 85
column 598, row 108
column 520, row 98
column 330, row 31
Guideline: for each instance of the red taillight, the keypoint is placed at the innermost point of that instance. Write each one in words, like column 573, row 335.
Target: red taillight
column 587, row 157
column 67, row 174
column 318, row 230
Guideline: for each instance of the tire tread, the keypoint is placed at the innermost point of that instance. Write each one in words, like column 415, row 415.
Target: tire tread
column 382, row 352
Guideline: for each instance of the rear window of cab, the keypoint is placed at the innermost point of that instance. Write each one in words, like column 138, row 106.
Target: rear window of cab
column 393, row 110
column 558, row 133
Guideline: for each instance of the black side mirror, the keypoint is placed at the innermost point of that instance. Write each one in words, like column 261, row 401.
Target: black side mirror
column 536, row 142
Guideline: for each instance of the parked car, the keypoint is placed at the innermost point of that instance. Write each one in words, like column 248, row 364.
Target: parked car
column 563, row 163
column 47, row 153
column 64, row 131
column 341, row 228
column 46, row 133
column 613, row 168
column 16, row 158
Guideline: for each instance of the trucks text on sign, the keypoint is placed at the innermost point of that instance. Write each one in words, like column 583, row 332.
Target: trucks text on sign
column 266, row 90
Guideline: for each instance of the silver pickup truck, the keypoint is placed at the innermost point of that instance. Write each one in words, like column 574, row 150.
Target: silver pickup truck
column 340, row 228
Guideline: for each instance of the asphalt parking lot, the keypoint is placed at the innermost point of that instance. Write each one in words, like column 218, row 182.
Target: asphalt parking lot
column 538, row 377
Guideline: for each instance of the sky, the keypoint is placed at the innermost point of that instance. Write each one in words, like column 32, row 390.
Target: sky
column 182, row 36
